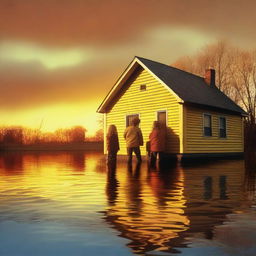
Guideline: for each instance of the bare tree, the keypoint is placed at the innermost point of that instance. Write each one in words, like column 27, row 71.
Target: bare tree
column 215, row 56
column 77, row 134
column 243, row 71
column 235, row 72
column 12, row 135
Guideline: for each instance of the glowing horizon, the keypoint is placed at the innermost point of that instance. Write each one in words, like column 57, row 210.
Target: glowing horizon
column 51, row 118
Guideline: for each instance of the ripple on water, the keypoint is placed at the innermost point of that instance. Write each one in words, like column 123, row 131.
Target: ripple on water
column 74, row 196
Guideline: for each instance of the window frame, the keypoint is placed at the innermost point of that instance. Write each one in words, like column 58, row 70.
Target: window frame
column 166, row 115
column 225, row 118
column 204, row 133
column 143, row 87
column 126, row 118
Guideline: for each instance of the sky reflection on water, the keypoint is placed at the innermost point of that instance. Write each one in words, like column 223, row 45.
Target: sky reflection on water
column 72, row 203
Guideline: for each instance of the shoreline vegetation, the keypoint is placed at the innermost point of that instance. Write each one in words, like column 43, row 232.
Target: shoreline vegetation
column 24, row 139
column 17, row 139
column 96, row 146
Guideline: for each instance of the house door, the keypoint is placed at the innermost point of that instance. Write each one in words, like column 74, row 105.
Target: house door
column 161, row 117
column 129, row 119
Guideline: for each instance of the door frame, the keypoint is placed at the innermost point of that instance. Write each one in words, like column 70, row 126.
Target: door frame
column 166, row 115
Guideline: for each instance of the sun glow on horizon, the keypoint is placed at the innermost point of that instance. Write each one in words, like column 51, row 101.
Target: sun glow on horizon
column 51, row 118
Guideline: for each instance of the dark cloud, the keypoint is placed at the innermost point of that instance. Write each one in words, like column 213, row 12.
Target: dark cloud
column 28, row 85
column 63, row 22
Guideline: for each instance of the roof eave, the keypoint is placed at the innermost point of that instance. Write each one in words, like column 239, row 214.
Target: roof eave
column 241, row 113
column 124, row 76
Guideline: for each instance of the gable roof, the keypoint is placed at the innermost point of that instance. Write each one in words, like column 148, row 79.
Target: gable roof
column 187, row 87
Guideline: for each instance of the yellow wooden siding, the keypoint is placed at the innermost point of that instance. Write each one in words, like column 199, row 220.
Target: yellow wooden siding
column 146, row 103
column 196, row 142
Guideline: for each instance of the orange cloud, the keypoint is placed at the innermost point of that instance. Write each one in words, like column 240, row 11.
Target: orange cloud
column 29, row 85
column 62, row 22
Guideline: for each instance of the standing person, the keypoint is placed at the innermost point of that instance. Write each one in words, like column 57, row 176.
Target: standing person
column 134, row 140
column 157, row 142
column 112, row 143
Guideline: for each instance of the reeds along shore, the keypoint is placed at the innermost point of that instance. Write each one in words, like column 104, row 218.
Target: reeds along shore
column 86, row 146
column 22, row 138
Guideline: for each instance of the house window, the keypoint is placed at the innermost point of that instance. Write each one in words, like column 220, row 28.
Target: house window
column 129, row 119
column 143, row 87
column 161, row 117
column 207, row 125
column 222, row 127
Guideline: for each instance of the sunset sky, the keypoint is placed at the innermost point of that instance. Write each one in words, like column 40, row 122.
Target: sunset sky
column 59, row 58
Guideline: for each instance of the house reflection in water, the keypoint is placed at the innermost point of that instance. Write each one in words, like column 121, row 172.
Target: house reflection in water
column 250, row 174
column 148, row 208
column 161, row 210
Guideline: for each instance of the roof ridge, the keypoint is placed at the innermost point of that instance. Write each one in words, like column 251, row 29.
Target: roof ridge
column 186, row 86
column 178, row 69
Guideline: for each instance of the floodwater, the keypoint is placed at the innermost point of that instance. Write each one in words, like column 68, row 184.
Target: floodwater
column 72, row 204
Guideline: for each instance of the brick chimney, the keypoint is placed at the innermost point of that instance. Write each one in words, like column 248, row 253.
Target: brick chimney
column 210, row 76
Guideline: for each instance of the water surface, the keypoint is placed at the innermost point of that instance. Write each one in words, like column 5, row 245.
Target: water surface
column 72, row 203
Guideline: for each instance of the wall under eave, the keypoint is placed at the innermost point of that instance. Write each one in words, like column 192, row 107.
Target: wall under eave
column 196, row 142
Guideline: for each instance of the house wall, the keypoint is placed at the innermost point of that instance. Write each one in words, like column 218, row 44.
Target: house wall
column 146, row 103
column 196, row 142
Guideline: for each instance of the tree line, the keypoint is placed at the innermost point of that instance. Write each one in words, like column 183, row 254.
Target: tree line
column 27, row 136
column 235, row 76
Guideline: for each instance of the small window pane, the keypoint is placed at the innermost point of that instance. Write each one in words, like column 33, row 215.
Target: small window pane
column 143, row 87
column 207, row 125
column 223, row 133
column 207, row 131
column 222, row 128
column 207, row 121
column 222, row 123
column 129, row 119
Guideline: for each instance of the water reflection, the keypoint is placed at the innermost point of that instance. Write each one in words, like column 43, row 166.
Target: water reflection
column 112, row 183
column 150, row 209
column 133, row 191
column 78, row 161
column 11, row 163
column 219, row 187
column 223, row 187
column 207, row 188
column 250, row 173
column 157, row 209
column 166, row 208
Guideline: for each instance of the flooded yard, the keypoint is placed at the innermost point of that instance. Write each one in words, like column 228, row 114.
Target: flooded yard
column 72, row 204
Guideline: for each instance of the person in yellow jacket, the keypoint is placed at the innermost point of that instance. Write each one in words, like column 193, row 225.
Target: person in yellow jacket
column 134, row 140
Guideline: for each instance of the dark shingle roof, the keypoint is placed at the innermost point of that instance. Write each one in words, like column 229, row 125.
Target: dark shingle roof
column 191, row 88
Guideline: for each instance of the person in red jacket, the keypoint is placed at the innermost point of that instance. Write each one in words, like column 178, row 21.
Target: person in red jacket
column 157, row 142
column 112, row 143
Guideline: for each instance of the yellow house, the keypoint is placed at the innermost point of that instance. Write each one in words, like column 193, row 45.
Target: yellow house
column 200, row 119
